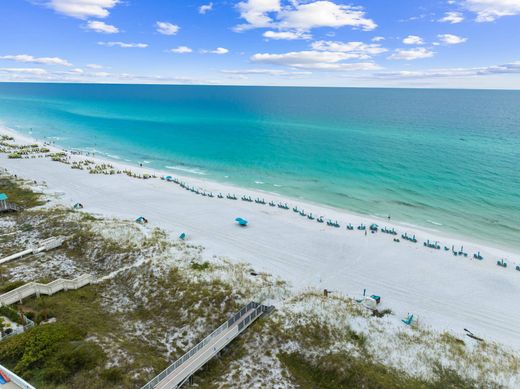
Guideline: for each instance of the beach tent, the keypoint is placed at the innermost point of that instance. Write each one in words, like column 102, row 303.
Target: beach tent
column 182, row 236
column 78, row 206
column 374, row 227
column 141, row 220
column 240, row 221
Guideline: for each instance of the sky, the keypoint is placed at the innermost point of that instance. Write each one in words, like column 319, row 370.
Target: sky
column 341, row 43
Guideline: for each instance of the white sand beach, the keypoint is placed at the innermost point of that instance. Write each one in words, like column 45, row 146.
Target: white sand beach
column 444, row 291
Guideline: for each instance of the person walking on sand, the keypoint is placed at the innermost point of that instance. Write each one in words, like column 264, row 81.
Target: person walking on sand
column 365, row 232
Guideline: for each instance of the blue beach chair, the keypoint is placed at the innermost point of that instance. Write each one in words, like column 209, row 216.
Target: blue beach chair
column 409, row 320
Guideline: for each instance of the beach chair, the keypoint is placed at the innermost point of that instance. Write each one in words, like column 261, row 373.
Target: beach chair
column 409, row 320
column 502, row 263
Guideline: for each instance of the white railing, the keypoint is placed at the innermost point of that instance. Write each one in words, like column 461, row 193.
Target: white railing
column 36, row 288
column 241, row 326
column 16, row 380
column 44, row 245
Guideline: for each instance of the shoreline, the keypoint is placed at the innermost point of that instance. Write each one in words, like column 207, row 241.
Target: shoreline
column 444, row 291
column 123, row 164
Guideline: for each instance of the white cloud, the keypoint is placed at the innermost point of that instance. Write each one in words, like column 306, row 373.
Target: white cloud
column 314, row 59
column 324, row 14
column 411, row 54
column 102, row 27
column 32, row 71
column 181, row 50
column 490, row 10
column 124, row 45
column 413, row 40
column 378, row 39
column 166, row 28
column 94, row 66
column 269, row 72
column 255, row 13
column 41, row 60
column 359, row 49
column 301, row 16
column 510, row 68
column 450, row 39
column 286, row 35
column 82, row 9
column 452, row 17
column 218, row 50
column 205, row 8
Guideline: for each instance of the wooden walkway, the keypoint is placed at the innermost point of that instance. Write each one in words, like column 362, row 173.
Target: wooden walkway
column 182, row 369
column 36, row 288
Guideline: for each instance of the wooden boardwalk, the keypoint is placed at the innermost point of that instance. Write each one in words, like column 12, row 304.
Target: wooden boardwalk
column 182, row 369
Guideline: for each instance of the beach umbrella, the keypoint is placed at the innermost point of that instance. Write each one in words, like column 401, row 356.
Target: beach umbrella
column 240, row 221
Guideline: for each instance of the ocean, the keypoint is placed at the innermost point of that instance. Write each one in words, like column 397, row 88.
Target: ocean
column 443, row 159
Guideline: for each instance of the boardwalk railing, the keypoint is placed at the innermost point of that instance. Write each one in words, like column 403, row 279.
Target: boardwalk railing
column 5, row 207
column 36, row 288
column 258, row 310
column 16, row 380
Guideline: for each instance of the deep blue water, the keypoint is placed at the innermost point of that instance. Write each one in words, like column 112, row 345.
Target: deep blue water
column 445, row 159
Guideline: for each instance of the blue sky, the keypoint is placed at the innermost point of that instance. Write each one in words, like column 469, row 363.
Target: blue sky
column 419, row 43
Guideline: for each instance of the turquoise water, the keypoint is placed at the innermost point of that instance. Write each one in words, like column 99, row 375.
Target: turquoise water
column 444, row 159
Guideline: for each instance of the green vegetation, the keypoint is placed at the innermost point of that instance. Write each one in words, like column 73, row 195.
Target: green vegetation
column 11, row 314
column 341, row 370
column 19, row 194
column 200, row 266
column 51, row 353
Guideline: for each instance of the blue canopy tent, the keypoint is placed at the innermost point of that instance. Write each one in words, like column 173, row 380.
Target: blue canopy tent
column 240, row 221
column 141, row 220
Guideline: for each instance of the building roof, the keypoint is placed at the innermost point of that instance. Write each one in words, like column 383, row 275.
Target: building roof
column 3, row 196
